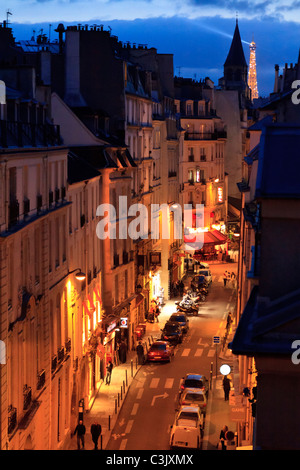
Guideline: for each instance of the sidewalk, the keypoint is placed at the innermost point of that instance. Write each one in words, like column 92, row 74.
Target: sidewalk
column 218, row 410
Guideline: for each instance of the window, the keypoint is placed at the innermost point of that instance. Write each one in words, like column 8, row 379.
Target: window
column 191, row 175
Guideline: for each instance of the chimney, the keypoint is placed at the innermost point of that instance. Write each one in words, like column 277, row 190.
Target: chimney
column 276, row 78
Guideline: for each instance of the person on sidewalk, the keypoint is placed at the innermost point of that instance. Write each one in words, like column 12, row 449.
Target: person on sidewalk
column 96, row 430
column 80, row 431
column 226, row 387
column 140, row 353
column 225, row 275
column 223, row 437
column 109, row 369
column 229, row 321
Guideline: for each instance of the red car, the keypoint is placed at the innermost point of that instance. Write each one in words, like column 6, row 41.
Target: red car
column 160, row 351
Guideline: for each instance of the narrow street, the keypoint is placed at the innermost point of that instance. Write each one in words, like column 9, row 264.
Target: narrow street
column 151, row 400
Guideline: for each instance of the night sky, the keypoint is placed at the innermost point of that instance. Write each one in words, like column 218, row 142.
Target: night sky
column 197, row 32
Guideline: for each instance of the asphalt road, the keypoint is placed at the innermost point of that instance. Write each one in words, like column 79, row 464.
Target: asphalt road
column 149, row 409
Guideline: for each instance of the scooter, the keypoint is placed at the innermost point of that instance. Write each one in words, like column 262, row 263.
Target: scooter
column 187, row 308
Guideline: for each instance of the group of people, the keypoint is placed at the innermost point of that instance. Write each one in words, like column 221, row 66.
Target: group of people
column 154, row 311
column 178, row 289
column 80, row 430
column 229, row 277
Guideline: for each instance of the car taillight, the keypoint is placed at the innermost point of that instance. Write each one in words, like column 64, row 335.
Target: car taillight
column 204, row 404
column 182, row 387
column 184, row 403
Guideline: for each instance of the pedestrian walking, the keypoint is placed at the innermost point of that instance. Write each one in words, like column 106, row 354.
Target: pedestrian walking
column 226, row 387
column 109, row 369
column 96, row 433
column 229, row 321
column 181, row 288
column 225, row 275
column 140, row 353
column 223, row 437
column 80, row 431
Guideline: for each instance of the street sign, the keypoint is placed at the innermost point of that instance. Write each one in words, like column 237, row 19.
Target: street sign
column 216, row 339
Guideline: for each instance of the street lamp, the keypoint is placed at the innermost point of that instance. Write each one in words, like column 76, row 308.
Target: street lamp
column 80, row 276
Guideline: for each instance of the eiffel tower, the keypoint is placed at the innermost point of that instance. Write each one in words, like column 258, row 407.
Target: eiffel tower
column 252, row 78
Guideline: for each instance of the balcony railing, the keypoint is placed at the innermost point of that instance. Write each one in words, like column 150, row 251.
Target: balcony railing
column 60, row 354
column 205, row 135
column 41, row 378
column 116, row 261
column 125, row 257
column 12, row 419
column 68, row 345
column 53, row 363
column 26, row 397
column 20, row 134
column 13, row 213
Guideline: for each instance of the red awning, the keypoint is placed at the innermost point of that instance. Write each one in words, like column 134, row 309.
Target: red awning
column 214, row 238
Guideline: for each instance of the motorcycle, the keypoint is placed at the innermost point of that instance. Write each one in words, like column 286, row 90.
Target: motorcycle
column 187, row 307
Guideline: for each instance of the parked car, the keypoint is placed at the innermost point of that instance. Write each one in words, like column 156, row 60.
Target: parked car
column 187, row 430
column 172, row 332
column 182, row 320
column 194, row 397
column 194, row 381
column 160, row 351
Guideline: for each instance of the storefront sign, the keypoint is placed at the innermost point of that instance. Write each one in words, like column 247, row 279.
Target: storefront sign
column 124, row 322
column 238, row 413
column 220, row 194
column 111, row 326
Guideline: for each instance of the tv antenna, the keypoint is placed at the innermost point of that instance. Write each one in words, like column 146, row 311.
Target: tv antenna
column 179, row 69
column 7, row 15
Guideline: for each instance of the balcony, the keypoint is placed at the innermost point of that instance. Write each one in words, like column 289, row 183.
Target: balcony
column 68, row 345
column 12, row 419
column 41, row 379
column 125, row 257
column 116, row 261
column 13, row 213
column 172, row 174
column 53, row 363
column 21, row 134
column 60, row 354
column 27, row 397
column 26, row 206
column 39, row 202
column 205, row 135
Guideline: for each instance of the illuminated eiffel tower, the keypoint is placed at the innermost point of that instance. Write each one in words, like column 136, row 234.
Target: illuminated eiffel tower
column 252, row 78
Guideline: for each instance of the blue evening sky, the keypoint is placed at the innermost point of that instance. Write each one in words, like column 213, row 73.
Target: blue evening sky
column 197, row 32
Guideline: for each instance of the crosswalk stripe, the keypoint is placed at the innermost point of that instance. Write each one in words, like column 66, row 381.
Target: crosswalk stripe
column 154, row 382
column 134, row 409
column 211, row 353
column 129, row 426
column 169, row 383
column 139, row 393
column 185, row 352
column 198, row 352
column 123, row 444
column 141, row 383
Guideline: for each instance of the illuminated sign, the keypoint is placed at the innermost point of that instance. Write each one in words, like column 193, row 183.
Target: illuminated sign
column 124, row 322
column 220, row 194
column 111, row 326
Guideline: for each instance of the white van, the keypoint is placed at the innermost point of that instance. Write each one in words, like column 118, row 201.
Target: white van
column 187, row 429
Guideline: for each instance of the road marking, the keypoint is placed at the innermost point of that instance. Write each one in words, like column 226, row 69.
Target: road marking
column 198, row 352
column 211, row 353
column 129, row 426
column 169, row 383
column 141, row 382
column 154, row 383
column 165, row 395
column 134, row 409
column 185, row 352
column 139, row 393
column 199, row 342
column 123, row 444
column 228, row 307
